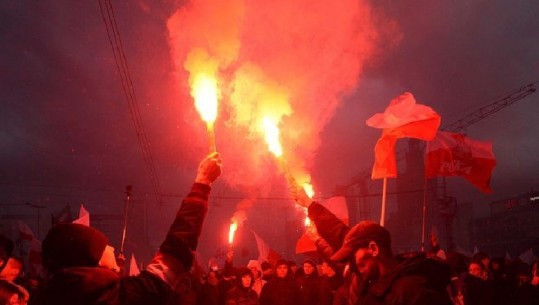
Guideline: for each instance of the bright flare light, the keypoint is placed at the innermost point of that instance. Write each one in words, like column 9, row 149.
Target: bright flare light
column 309, row 190
column 205, row 93
column 232, row 231
column 271, row 132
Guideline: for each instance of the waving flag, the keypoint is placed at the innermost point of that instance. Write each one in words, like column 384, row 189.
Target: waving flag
column 454, row 154
column 403, row 118
column 84, row 217
column 133, row 268
column 265, row 252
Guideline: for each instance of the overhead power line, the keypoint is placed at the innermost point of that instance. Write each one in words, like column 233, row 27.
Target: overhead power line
column 121, row 63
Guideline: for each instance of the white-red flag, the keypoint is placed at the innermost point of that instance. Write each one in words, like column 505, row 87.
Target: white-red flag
column 133, row 268
column 84, row 217
column 266, row 253
column 454, row 154
column 403, row 118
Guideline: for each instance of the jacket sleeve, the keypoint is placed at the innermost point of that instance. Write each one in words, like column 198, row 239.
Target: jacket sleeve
column 175, row 255
column 331, row 228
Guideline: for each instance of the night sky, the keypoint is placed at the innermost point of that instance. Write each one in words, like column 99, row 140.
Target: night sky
column 67, row 135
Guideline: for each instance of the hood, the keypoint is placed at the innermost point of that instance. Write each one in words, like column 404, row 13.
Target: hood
column 81, row 285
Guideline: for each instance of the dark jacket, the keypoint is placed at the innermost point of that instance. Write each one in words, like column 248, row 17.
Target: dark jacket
column 309, row 286
column 280, row 291
column 417, row 280
column 95, row 285
column 241, row 296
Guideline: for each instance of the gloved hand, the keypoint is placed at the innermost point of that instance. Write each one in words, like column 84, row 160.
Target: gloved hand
column 209, row 169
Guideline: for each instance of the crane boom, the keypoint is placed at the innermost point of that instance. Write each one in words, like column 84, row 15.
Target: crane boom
column 494, row 107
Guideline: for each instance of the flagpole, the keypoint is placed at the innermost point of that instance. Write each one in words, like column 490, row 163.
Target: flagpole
column 423, row 224
column 383, row 211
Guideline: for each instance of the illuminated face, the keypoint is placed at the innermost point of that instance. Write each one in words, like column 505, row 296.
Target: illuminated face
column 366, row 263
column 475, row 270
column 282, row 271
column 255, row 272
column 212, row 278
column 246, row 281
column 308, row 269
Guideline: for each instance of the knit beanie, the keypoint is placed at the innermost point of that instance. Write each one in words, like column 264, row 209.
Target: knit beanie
column 310, row 262
column 72, row 245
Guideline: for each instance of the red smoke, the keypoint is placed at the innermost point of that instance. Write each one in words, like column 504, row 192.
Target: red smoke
column 290, row 60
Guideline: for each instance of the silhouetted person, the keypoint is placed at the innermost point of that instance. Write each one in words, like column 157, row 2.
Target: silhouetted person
column 82, row 268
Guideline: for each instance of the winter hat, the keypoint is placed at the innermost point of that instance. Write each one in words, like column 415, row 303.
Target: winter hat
column 265, row 266
column 281, row 262
column 310, row 262
column 360, row 236
column 72, row 245
column 253, row 265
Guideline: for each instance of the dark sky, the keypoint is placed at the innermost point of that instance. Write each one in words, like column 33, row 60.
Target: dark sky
column 67, row 136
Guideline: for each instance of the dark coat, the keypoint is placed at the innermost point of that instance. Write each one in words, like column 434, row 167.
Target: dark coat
column 280, row 291
column 241, row 296
column 95, row 285
column 416, row 281
column 309, row 286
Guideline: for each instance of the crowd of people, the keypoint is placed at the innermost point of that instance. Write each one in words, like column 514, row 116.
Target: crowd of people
column 353, row 266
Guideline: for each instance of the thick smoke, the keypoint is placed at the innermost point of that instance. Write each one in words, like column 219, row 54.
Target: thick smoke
column 291, row 61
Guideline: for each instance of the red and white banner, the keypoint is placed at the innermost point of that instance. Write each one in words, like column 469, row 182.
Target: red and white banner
column 266, row 253
column 454, row 154
column 403, row 118
column 84, row 217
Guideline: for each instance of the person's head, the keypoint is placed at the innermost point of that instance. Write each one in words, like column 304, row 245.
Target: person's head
column 266, row 268
column 281, row 268
column 9, row 293
column 75, row 245
column 212, row 277
column 309, row 267
column 476, row 268
column 292, row 266
column 254, row 267
column 367, row 247
column 483, row 257
column 245, row 277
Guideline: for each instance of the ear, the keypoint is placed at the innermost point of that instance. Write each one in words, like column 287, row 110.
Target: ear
column 373, row 248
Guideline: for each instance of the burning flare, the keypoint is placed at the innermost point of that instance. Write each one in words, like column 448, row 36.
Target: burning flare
column 205, row 93
column 232, row 231
column 271, row 132
column 309, row 190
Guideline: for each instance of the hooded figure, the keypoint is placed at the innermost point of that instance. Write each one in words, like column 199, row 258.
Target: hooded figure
column 242, row 293
column 81, row 266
